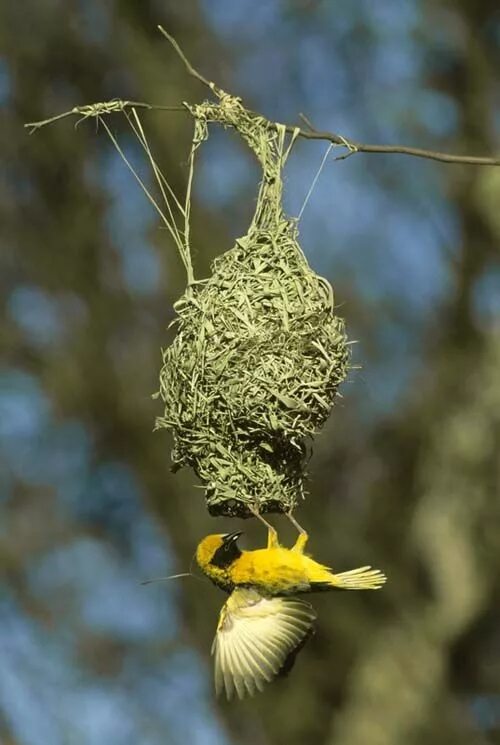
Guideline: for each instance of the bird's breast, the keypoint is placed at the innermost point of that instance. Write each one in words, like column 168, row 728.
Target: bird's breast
column 220, row 577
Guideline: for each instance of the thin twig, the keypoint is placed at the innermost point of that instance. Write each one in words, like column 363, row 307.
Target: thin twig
column 189, row 67
column 417, row 152
column 97, row 109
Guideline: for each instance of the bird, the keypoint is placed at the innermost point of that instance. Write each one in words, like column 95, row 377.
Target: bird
column 263, row 624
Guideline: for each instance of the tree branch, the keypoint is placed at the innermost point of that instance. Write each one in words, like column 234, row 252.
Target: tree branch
column 358, row 147
column 189, row 67
column 311, row 133
column 354, row 147
column 97, row 109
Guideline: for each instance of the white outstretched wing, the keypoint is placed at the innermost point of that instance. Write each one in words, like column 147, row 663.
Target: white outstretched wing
column 255, row 638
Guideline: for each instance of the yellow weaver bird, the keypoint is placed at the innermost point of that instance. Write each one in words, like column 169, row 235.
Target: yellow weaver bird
column 263, row 625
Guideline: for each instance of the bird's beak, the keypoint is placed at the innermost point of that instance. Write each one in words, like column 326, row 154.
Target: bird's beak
column 231, row 537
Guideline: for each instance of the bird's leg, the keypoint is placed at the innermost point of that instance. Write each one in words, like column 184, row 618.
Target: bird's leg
column 301, row 541
column 272, row 535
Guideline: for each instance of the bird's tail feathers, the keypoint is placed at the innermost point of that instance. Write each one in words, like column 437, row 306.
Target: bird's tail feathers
column 362, row 578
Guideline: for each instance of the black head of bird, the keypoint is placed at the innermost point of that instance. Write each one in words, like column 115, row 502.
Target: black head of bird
column 215, row 554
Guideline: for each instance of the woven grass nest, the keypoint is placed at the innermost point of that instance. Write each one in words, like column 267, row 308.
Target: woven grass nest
column 255, row 365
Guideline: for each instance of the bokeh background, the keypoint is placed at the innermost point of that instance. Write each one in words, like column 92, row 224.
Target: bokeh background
column 406, row 474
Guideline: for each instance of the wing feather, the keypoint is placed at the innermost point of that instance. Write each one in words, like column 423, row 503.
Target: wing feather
column 255, row 637
column 258, row 670
column 264, row 664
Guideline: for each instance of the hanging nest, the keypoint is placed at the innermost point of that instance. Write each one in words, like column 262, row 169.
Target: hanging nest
column 258, row 356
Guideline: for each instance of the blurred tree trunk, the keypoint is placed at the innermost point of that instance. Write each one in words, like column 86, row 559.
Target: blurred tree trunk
column 405, row 685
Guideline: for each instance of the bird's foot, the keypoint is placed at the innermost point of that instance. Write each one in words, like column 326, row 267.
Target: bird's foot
column 301, row 541
column 272, row 535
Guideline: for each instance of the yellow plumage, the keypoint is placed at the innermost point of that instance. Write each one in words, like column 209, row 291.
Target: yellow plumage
column 276, row 570
column 262, row 626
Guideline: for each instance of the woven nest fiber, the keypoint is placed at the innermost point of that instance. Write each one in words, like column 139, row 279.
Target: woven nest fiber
column 252, row 372
column 255, row 365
